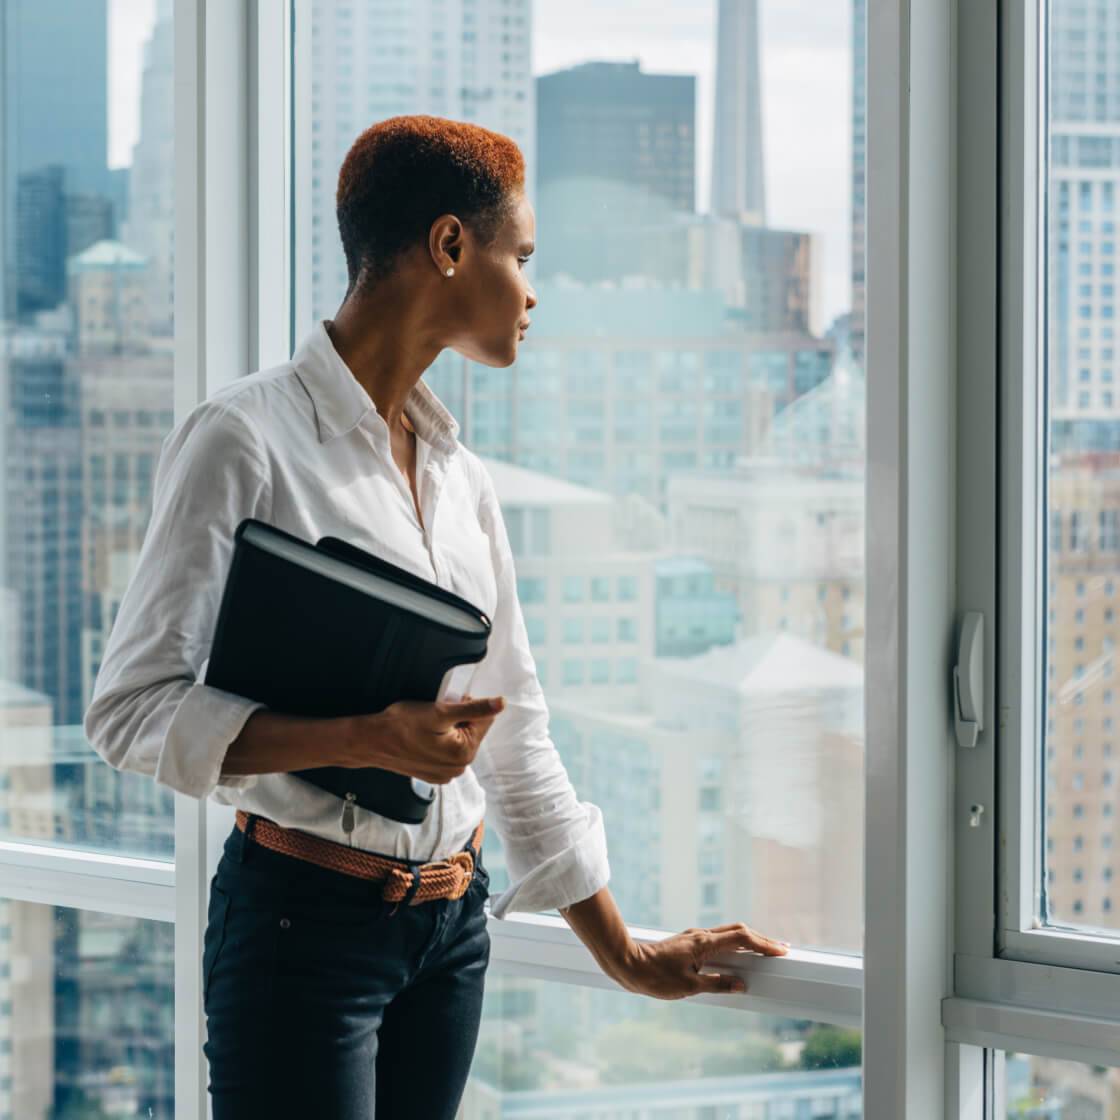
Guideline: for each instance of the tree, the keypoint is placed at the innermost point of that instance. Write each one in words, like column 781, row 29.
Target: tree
column 832, row 1048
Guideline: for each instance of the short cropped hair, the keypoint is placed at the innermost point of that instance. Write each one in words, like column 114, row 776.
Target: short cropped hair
column 404, row 172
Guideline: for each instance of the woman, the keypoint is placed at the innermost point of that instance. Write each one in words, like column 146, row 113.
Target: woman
column 345, row 953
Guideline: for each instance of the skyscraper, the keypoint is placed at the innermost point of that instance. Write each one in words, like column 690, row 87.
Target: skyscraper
column 616, row 171
column 374, row 59
column 609, row 120
column 40, row 236
column 1084, row 182
column 54, row 105
column 738, row 178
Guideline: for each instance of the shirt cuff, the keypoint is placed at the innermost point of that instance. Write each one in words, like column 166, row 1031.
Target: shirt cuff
column 572, row 875
column 204, row 725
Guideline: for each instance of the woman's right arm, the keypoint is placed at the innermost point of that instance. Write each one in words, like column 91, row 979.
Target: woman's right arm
column 150, row 712
column 433, row 740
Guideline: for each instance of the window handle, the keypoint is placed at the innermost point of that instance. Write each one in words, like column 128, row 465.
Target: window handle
column 968, row 680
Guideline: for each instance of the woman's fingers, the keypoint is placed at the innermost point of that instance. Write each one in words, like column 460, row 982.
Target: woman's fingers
column 739, row 936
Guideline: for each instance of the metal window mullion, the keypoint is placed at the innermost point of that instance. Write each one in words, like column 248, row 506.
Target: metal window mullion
column 212, row 345
column 976, row 453
column 189, row 387
column 270, row 154
column 302, row 164
column 966, row 1087
column 910, row 570
column 1023, row 462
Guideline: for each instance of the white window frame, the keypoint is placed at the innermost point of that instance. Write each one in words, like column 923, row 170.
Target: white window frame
column 236, row 291
column 1016, row 987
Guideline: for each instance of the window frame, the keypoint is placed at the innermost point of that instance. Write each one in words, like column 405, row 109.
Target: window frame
column 1037, row 991
column 1022, row 607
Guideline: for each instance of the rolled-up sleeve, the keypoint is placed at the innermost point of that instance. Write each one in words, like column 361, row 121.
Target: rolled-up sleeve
column 555, row 845
column 149, row 711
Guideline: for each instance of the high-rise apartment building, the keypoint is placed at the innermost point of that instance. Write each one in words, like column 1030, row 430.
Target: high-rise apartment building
column 1082, row 827
column 41, row 471
column 1084, row 175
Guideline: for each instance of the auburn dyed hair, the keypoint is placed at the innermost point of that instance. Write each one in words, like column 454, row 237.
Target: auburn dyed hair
column 404, row 172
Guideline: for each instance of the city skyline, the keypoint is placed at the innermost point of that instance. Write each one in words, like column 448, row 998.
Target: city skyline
column 806, row 90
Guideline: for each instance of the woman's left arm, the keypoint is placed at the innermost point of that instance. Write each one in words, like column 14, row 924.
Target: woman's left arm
column 666, row 969
column 555, row 845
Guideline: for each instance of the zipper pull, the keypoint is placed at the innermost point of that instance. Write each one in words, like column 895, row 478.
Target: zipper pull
column 348, row 814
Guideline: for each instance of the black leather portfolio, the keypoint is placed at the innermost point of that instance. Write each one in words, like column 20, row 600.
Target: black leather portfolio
column 329, row 629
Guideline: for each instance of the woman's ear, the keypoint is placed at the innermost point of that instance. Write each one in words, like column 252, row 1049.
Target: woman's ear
column 445, row 241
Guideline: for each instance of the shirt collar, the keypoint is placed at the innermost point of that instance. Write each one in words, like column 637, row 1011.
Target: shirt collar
column 341, row 401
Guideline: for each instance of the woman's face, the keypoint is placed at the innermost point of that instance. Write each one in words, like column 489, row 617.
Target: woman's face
column 491, row 294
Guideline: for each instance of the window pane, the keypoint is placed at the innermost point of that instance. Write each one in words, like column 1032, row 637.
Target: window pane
column 685, row 411
column 1082, row 570
column 557, row 1051
column 86, row 1014
column 86, row 341
column 1051, row 1089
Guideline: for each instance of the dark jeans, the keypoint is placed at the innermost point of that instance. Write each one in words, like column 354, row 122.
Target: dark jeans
column 322, row 1003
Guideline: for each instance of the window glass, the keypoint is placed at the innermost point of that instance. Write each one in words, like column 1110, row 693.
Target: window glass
column 1082, row 493
column 1052, row 1089
column 686, row 414
column 558, row 1051
column 86, row 345
column 87, row 1014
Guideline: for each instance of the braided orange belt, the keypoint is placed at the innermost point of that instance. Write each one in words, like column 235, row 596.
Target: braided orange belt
column 445, row 878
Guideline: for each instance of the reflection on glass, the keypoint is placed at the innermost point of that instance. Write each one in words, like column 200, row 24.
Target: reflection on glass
column 556, row 1051
column 680, row 447
column 86, row 1015
column 1050, row 1089
column 86, row 339
column 1079, row 764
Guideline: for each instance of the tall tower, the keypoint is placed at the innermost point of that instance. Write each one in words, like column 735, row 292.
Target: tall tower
column 738, row 180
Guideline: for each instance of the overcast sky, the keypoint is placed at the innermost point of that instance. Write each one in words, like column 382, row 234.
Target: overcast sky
column 806, row 80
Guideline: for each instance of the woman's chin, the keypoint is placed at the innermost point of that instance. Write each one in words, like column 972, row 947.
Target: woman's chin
column 496, row 359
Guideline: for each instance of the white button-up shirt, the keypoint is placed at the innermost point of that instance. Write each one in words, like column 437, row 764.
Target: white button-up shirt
column 303, row 447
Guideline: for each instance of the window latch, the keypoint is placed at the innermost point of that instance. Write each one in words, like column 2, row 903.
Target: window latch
column 968, row 680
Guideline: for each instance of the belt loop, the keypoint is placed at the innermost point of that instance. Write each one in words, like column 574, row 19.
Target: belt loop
column 246, row 836
column 413, row 887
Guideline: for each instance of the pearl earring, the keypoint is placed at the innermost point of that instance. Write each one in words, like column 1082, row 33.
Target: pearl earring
column 450, row 272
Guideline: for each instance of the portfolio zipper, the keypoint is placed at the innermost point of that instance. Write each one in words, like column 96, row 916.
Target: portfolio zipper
column 348, row 817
